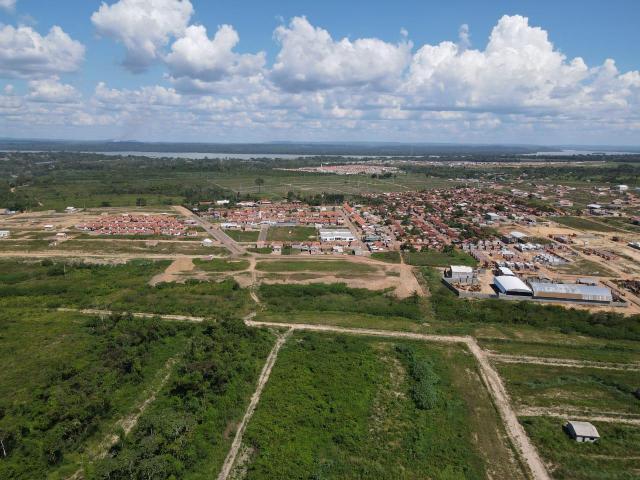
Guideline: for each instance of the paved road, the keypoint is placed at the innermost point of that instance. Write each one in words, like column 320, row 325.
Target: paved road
column 213, row 230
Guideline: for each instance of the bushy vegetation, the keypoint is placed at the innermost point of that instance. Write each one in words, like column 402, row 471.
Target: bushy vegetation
column 188, row 429
column 449, row 308
column 338, row 297
column 339, row 407
column 116, row 287
column 424, row 391
column 50, row 406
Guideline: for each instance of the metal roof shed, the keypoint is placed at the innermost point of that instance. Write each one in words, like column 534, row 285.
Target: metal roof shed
column 511, row 285
column 572, row 291
column 582, row 431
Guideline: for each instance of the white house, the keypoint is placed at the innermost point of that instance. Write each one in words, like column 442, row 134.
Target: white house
column 207, row 242
column 582, row 431
column 5, row 233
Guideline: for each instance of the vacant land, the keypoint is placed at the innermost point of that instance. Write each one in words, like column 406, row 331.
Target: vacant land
column 65, row 387
column 615, row 457
column 432, row 258
column 588, row 389
column 581, row 266
column 243, row 235
column 291, row 234
column 389, row 257
column 383, row 410
column 221, row 265
column 582, row 223
column 324, row 266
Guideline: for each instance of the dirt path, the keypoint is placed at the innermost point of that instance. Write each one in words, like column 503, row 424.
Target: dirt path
column 91, row 311
column 407, row 283
column 178, row 267
column 576, row 415
column 489, row 375
column 129, row 422
column 561, row 362
column 255, row 398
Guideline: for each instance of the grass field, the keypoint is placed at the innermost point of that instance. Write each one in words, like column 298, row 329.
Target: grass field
column 582, row 266
column 221, row 265
column 596, row 390
column 347, row 407
column 389, row 257
column 243, row 235
column 616, row 456
column 329, row 266
column 582, row 223
column 291, row 234
column 433, row 258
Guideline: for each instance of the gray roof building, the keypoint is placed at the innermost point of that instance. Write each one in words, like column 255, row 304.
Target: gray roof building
column 571, row 291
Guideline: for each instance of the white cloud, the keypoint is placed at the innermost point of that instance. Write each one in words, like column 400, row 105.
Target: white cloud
column 52, row 91
column 148, row 96
column 310, row 59
column 8, row 5
column 196, row 57
column 25, row 53
column 144, row 27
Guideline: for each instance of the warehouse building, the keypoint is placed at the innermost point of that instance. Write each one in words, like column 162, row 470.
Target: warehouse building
column 460, row 274
column 511, row 285
column 336, row 236
column 571, row 291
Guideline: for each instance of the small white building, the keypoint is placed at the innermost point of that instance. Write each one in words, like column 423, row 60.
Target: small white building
column 222, row 202
column 70, row 209
column 207, row 242
column 459, row 273
column 5, row 233
column 622, row 188
column 582, row 431
column 336, row 236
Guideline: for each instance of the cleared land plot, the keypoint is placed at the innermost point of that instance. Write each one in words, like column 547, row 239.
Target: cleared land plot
column 581, row 223
column 438, row 259
column 221, row 265
column 329, row 266
column 615, row 457
column 243, row 235
column 572, row 389
column 349, row 407
column 592, row 351
column 581, row 266
column 291, row 234
column 135, row 247
column 65, row 388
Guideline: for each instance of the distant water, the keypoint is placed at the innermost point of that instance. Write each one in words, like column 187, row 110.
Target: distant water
column 569, row 153
column 199, row 156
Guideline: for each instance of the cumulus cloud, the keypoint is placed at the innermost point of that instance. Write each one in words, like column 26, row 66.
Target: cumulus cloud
column 310, row 59
column 25, row 53
column 50, row 90
column 8, row 5
column 150, row 96
column 144, row 27
column 194, row 56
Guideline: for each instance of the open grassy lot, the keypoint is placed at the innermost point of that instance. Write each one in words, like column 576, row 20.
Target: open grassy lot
column 328, row 266
column 615, row 457
column 221, row 265
column 17, row 245
column 349, row 407
column 582, row 266
column 593, row 350
column 338, row 298
column 434, row 258
column 116, row 287
column 593, row 389
column 389, row 257
column 137, row 247
column 623, row 223
column 291, row 234
column 243, row 235
column 187, row 431
column 582, row 223
column 68, row 384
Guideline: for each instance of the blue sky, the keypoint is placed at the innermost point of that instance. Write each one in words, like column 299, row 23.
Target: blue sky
column 330, row 70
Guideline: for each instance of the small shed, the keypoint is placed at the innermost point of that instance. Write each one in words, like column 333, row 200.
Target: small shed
column 582, row 431
column 207, row 242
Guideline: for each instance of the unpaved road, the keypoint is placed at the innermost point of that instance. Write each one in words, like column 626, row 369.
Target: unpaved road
column 576, row 415
column 174, row 271
column 215, row 231
column 489, row 375
column 92, row 311
column 561, row 362
column 255, row 398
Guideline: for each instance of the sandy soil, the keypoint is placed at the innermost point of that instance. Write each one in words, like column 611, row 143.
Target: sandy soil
column 567, row 414
column 174, row 272
column 561, row 362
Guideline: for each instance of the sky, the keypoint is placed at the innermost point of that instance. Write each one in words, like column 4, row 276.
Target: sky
column 462, row 71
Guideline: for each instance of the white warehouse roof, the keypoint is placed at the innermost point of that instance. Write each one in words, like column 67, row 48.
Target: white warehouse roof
column 461, row 269
column 509, row 284
column 572, row 290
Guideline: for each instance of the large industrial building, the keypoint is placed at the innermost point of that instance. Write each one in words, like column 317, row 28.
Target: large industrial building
column 336, row 236
column 511, row 285
column 571, row 291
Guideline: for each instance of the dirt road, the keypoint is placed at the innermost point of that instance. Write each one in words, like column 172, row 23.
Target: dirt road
column 489, row 375
column 255, row 398
column 179, row 267
column 177, row 318
column 576, row 415
column 561, row 362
